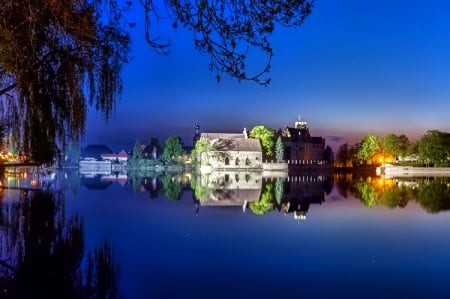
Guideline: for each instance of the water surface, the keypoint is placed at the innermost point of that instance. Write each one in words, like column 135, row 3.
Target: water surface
column 348, row 242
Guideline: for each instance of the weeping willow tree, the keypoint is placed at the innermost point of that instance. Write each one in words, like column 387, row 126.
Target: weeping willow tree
column 56, row 59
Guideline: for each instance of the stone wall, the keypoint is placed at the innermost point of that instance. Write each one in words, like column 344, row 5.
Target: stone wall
column 235, row 160
column 412, row 171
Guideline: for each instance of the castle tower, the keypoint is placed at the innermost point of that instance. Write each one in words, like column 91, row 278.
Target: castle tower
column 301, row 124
column 196, row 135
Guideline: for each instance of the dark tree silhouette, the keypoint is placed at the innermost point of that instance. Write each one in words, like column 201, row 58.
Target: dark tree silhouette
column 227, row 29
column 56, row 57
column 328, row 154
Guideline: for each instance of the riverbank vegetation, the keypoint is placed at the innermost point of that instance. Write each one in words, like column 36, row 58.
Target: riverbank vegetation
column 151, row 159
column 431, row 150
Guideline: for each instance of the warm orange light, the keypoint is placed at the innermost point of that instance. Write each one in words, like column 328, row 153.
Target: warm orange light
column 382, row 158
column 388, row 159
column 384, row 183
column 380, row 182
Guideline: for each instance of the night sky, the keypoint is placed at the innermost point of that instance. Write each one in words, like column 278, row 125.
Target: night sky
column 354, row 67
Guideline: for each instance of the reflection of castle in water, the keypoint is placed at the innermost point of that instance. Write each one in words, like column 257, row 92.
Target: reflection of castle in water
column 227, row 188
column 244, row 189
column 302, row 191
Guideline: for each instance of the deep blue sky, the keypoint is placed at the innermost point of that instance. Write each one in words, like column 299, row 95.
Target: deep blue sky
column 354, row 67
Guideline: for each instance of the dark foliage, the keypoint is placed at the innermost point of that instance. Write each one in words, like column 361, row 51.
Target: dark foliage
column 56, row 57
column 226, row 30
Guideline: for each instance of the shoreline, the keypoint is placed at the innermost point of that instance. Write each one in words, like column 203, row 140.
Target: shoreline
column 391, row 170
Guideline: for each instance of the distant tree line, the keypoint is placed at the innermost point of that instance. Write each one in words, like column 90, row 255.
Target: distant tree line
column 154, row 153
column 432, row 149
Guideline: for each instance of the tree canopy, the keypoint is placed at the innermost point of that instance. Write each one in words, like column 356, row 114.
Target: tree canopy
column 369, row 147
column 279, row 150
column 56, row 57
column 267, row 138
column 395, row 145
column 173, row 149
column 434, row 147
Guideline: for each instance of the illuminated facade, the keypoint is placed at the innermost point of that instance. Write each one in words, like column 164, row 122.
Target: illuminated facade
column 232, row 151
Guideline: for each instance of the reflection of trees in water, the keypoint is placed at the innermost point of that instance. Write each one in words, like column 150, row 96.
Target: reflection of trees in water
column 42, row 253
column 345, row 183
column 433, row 194
column 266, row 203
column 198, row 191
column 376, row 191
column 71, row 181
column 397, row 197
column 279, row 190
column 152, row 185
column 173, row 186
column 328, row 184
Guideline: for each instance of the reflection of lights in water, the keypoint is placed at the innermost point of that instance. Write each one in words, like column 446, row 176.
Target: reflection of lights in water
column 244, row 206
column 384, row 183
column 187, row 176
column 299, row 215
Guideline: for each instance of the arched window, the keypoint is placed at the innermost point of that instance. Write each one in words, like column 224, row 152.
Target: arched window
column 247, row 161
column 237, row 161
column 227, row 161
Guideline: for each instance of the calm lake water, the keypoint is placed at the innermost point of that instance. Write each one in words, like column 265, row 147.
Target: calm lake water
column 229, row 236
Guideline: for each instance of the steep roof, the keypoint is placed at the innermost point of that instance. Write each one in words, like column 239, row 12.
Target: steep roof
column 231, row 197
column 233, row 142
column 222, row 135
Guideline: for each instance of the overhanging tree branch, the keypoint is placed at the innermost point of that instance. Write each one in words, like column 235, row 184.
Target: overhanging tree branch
column 6, row 89
column 227, row 29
